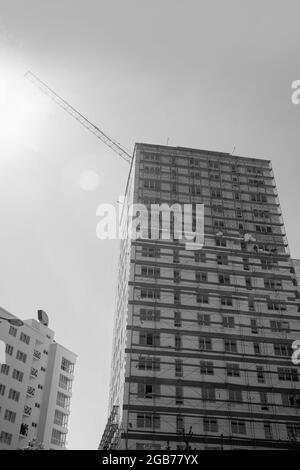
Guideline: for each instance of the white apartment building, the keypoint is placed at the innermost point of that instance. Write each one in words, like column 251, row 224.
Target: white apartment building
column 35, row 385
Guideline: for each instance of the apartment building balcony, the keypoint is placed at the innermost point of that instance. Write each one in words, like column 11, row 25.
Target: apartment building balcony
column 30, row 391
column 23, row 430
column 37, row 355
column 27, row 410
column 33, row 372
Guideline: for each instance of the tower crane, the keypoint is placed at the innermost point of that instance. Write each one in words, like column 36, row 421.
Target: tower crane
column 117, row 148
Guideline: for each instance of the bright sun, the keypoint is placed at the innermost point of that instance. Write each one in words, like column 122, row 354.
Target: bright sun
column 21, row 110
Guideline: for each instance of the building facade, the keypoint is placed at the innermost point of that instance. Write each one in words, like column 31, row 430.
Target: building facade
column 202, row 339
column 35, row 386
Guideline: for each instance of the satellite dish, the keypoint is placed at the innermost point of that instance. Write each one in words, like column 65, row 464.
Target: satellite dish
column 43, row 317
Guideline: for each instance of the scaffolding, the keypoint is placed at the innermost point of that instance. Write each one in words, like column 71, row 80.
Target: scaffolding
column 110, row 436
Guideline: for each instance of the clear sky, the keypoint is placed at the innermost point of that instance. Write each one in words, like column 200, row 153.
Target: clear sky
column 201, row 73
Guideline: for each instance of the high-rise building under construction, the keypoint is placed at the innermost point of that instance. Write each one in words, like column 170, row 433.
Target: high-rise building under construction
column 202, row 352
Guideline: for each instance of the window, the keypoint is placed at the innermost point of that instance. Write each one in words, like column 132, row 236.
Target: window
column 148, row 390
column 176, row 275
column 216, row 193
column 179, row 424
column 206, row 367
column 64, row 383
column 238, row 427
column 266, row 263
column 264, row 401
column 177, row 297
column 178, row 368
column 195, row 190
column 179, row 395
column 210, row 425
column 177, row 319
column 213, row 164
column 263, row 228
column 228, row 322
column 63, row 400
column 220, row 224
column 24, row 338
column 251, row 305
column 279, row 326
column 235, row 395
column 256, row 348
column 200, row 276
column 293, row 431
column 150, row 294
column 248, row 282
column 273, row 284
column 147, row 446
column 208, row 393
column 2, row 390
column 204, row 319
column 254, row 327
column 205, row 344
column 226, row 300
column 222, row 259
column 224, row 279
column 202, row 298
column 148, row 363
column 282, row 349
column 268, row 431
column 18, row 375
column 13, row 331
column 150, row 252
column 230, row 346
column 10, row 416
column 258, row 197
column 199, row 256
column 14, row 395
column 291, row 399
column 9, row 349
column 178, row 342
column 217, row 209
column 60, row 418
column 149, row 315
column 5, row 438
column 233, row 370
column 152, row 184
column 150, row 271
column 276, row 305
column 21, row 356
column 260, row 374
column 149, row 339
column 58, row 438
column 176, row 256
column 148, row 421
column 246, row 265
column 4, row 369
column 220, row 242
column 287, row 374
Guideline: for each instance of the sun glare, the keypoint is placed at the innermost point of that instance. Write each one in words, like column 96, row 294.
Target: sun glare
column 21, row 110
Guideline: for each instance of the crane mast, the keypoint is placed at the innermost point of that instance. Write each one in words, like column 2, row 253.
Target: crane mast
column 79, row 117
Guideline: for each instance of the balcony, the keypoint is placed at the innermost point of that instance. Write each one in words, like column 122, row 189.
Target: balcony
column 27, row 410
column 58, row 443
column 33, row 372
column 24, row 430
column 30, row 391
column 36, row 355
